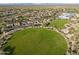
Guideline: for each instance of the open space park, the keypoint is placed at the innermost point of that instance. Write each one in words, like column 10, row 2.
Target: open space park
column 59, row 23
column 36, row 41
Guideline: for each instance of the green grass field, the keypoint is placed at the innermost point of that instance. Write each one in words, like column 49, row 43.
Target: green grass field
column 36, row 41
column 59, row 24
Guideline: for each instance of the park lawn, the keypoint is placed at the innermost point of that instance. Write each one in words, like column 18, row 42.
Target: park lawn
column 33, row 41
column 59, row 23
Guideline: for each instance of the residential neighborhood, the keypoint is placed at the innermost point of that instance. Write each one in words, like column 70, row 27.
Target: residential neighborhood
column 64, row 21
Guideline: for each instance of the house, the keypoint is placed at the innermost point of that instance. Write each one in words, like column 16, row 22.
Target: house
column 65, row 31
column 69, row 36
column 36, row 23
column 24, row 24
column 8, row 28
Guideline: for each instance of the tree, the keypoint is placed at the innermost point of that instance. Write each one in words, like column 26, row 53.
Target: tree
column 0, row 30
column 55, row 15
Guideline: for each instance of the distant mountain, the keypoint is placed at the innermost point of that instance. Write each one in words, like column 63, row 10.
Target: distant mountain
column 39, row 4
column 16, row 4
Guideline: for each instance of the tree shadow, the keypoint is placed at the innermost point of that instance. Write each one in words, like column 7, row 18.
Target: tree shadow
column 9, row 50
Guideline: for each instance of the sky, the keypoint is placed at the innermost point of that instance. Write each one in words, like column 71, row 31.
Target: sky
column 39, row 1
